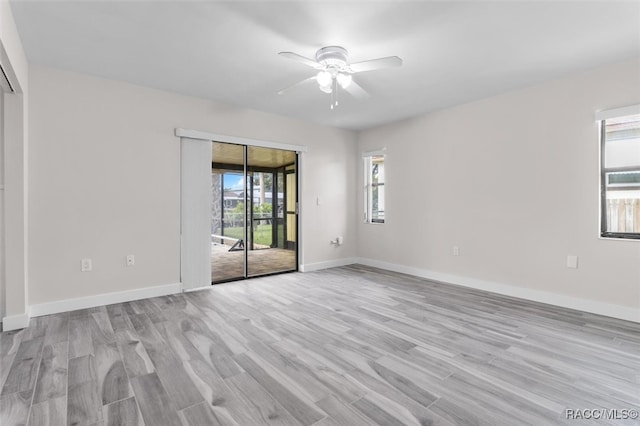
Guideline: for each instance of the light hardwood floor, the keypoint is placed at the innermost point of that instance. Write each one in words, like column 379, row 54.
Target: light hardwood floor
column 345, row 346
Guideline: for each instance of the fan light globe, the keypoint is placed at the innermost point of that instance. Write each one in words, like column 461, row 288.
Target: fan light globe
column 344, row 80
column 324, row 79
column 326, row 89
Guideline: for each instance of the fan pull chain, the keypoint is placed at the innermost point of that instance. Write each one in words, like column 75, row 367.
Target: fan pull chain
column 334, row 94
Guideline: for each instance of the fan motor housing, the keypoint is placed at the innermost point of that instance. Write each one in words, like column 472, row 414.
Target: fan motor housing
column 332, row 56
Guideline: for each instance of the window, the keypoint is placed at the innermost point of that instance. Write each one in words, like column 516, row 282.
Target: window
column 620, row 173
column 374, row 188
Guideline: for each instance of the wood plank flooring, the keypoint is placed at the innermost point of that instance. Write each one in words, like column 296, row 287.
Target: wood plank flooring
column 345, row 346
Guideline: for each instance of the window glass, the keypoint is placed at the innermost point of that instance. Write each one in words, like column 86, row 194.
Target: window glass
column 620, row 175
column 374, row 188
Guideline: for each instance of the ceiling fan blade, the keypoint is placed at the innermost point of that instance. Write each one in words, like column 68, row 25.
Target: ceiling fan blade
column 376, row 64
column 302, row 59
column 355, row 90
column 300, row 83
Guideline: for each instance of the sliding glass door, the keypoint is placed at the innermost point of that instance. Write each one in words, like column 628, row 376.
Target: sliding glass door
column 254, row 211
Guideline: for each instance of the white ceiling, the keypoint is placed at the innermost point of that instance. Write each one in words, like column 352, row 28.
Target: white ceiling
column 454, row 52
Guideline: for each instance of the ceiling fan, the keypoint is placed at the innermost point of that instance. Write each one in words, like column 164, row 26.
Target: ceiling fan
column 335, row 71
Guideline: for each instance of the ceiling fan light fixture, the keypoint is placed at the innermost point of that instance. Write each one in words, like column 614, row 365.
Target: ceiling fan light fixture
column 344, row 80
column 334, row 71
column 324, row 79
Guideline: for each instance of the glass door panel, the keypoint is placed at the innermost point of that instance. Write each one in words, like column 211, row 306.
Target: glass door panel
column 272, row 197
column 291, row 203
column 254, row 215
column 228, row 230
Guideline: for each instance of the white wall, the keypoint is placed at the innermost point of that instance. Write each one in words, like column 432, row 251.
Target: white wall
column 15, row 137
column 513, row 181
column 105, row 173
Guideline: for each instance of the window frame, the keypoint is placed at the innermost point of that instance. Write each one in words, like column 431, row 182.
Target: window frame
column 602, row 118
column 369, row 185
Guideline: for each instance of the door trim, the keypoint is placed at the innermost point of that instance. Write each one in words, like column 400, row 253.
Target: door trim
column 215, row 137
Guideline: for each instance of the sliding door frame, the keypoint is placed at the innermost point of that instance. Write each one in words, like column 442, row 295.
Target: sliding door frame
column 247, row 213
column 192, row 135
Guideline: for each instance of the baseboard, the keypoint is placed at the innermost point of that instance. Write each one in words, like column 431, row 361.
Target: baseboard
column 102, row 299
column 15, row 322
column 585, row 305
column 310, row 267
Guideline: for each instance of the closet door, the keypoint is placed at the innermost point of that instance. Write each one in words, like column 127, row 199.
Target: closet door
column 2, row 243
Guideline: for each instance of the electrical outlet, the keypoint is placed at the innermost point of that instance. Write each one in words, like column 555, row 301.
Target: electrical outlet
column 86, row 265
column 572, row 262
column 456, row 251
column 131, row 260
